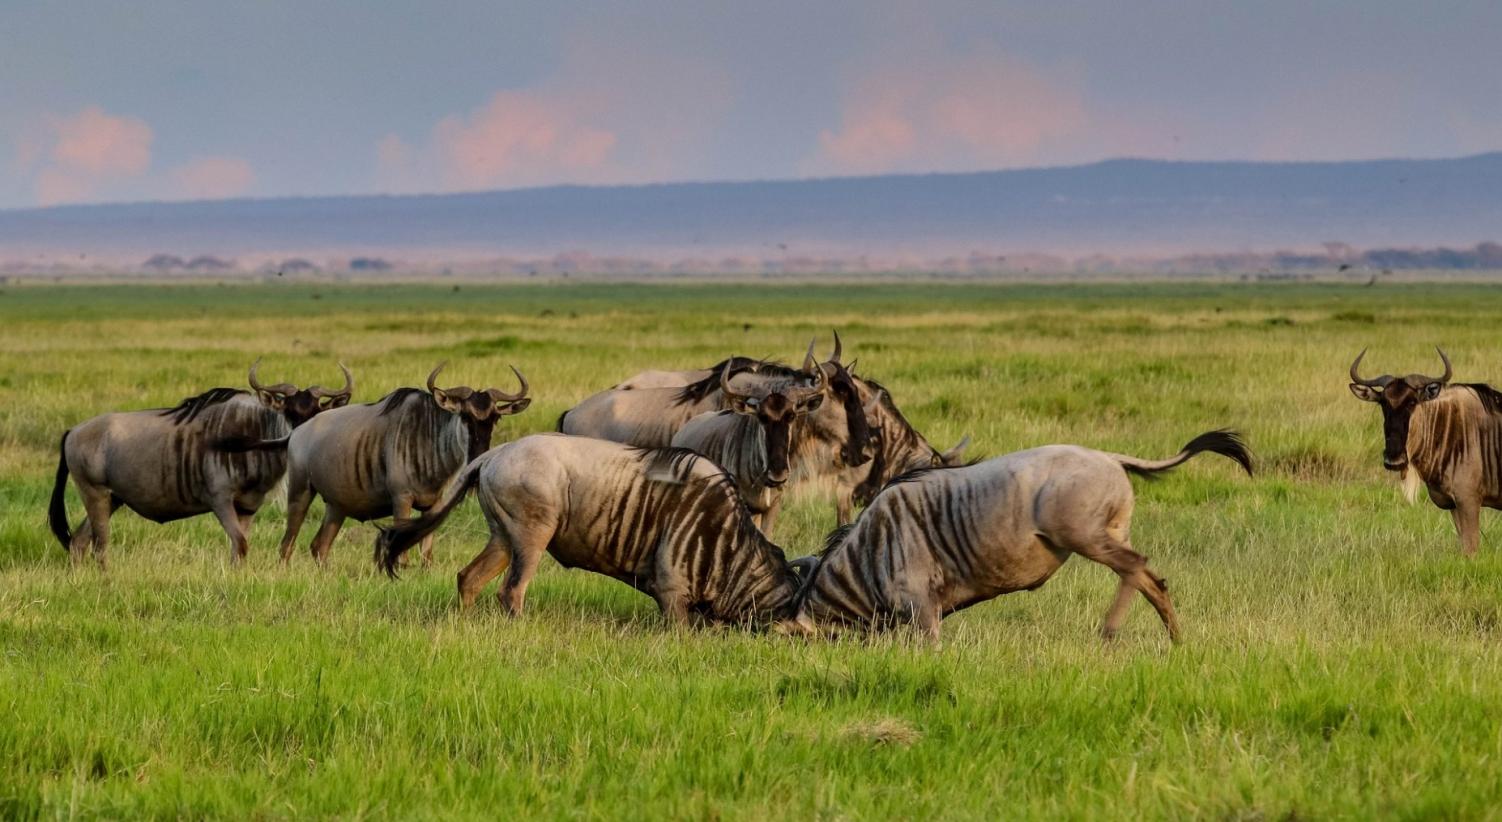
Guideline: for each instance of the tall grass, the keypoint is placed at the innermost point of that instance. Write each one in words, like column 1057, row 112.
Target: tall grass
column 1341, row 658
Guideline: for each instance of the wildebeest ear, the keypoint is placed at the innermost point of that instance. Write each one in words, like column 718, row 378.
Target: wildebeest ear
column 811, row 403
column 272, row 399
column 335, row 401
column 447, row 402
column 1365, row 392
column 516, row 407
column 1431, row 390
column 744, row 405
column 957, row 453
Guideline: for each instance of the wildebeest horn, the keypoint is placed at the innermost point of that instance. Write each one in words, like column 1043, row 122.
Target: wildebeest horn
column 501, row 396
column 285, row 389
column 835, row 357
column 347, row 390
column 433, row 389
column 1448, row 371
column 1379, row 382
column 725, row 386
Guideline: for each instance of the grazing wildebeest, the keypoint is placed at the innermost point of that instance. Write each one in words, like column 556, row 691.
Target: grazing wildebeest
column 938, row 540
column 667, row 522
column 754, row 439
column 159, row 463
column 388, row 458
column 1449, row 437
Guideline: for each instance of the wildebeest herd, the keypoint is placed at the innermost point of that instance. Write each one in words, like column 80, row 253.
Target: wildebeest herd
column 670, row 481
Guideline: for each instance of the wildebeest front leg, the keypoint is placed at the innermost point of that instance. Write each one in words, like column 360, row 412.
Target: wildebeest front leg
column 844, row 506
column 229, row 519
column 401, row 511
column 1467, row 516
column 333, row 520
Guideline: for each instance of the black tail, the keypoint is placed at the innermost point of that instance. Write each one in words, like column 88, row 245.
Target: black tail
column 394, row 540
column 57, row 512
column 559, row 425
column 1225, row 442
column 239, row 444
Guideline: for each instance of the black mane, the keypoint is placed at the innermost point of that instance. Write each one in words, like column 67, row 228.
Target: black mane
column 696, row 391
column 189, row 409
column 1491, row 398
column 392, row 401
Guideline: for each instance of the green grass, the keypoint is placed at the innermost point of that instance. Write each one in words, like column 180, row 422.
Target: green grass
column 1341, row 658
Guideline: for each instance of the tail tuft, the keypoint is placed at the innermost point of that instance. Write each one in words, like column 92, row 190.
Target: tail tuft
column 1225, row 442
column 57, row 511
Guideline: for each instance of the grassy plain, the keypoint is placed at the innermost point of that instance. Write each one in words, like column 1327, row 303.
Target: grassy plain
column 1341, row 658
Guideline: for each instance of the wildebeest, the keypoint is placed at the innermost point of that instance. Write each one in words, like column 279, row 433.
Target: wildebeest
column 159, row 463
column 938, row 540
column 1449, row 437
column 664, row 521
column 753, row 439
column 649, row 417
column 388, row 458
column 895, row 448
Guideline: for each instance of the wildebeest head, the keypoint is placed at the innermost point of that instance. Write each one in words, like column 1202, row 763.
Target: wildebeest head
column 297, row 405
column 857, row 449
column 1397, row 397
column 776, row 409
column 480, row 409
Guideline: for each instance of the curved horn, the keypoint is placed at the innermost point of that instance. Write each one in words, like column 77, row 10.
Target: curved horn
column 285, row 389
column 1379, row 382
column 501, row 396
column 433, row 389
column 346, row 391
column 811, row 365
column 255, row 383
column 1449, row 372
column 725, row 388
column 835, row 357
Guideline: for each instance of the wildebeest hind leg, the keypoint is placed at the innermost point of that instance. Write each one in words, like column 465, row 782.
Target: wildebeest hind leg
column 1132, row 568
column 482, row 569
column 299, row 498
column 98, row 506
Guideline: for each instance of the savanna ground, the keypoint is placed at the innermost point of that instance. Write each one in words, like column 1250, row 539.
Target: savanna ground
column 1341, row 658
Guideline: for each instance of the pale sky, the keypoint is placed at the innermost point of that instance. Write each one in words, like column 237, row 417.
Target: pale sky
column 184, row 99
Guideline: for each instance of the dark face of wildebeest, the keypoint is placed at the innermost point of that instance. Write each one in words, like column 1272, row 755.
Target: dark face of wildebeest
column 480, row 409
column 298, row 405
column 776, row 410
column 1397, row 397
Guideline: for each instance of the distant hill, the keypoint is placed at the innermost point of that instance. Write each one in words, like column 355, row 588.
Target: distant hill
column 1136, row 207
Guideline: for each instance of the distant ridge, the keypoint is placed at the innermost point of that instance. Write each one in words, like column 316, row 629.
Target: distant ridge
column 1114, row 207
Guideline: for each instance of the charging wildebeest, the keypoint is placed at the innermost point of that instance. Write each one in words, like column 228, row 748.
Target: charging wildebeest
column 1449, row 437
column 667, row 522
column 939, row 540
column 387, row 458
column 159, row 463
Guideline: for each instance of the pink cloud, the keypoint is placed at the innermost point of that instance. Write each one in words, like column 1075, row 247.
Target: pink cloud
column 96, row 143
column 519, row 138
column 212, row 178
column 613, row 113
column 84, row 152
column 976, row 111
